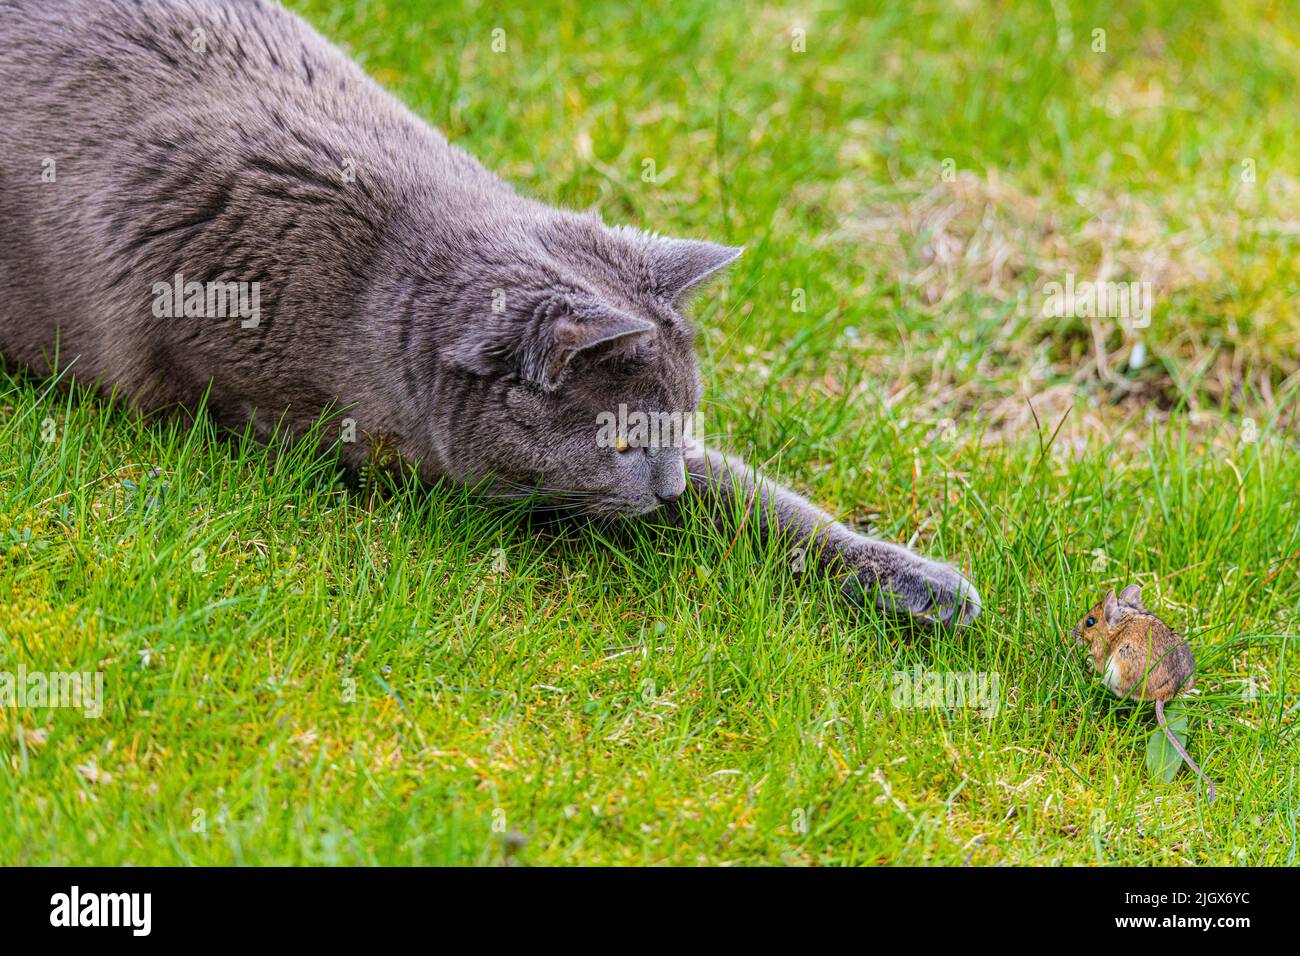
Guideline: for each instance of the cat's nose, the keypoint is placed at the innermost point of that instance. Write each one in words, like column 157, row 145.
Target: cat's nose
column 668, row 478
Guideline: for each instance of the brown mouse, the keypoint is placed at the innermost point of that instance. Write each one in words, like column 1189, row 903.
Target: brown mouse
column 1139, row 656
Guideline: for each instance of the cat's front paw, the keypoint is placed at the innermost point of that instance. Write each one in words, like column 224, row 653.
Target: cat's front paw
column 897, row 580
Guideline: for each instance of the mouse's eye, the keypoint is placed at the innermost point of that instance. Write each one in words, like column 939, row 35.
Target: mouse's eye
column 1091, row 621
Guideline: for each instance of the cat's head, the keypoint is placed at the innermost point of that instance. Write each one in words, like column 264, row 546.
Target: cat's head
column 579, row 369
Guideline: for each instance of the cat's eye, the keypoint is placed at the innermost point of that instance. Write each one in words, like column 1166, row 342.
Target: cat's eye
column 621, row 446
column 1091, row 621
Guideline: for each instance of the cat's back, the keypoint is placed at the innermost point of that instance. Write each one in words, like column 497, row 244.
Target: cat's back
column 99, row 80
column 206, row 77
column 143, row 54
column 115, row 113
column 146, row 137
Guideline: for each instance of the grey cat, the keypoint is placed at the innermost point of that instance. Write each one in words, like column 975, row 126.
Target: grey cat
column 206, row 194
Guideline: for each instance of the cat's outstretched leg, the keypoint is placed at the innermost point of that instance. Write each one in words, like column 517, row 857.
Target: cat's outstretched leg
column 888, row 575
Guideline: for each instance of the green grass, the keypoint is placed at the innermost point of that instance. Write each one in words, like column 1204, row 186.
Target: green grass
column 300, row 672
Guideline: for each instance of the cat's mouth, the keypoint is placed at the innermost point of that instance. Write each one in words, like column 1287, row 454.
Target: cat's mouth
column 620, row 508
column 589, row 503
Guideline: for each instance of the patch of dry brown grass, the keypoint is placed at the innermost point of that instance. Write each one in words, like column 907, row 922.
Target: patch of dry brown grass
column 1223, row 267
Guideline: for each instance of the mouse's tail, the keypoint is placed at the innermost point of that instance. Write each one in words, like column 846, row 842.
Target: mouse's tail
column 1160, row 716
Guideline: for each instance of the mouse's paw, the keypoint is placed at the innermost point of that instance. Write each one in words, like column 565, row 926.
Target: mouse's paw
column 896, row 580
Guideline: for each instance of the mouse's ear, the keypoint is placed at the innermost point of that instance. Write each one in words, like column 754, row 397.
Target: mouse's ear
column 1111, row 609
column 1131, row 595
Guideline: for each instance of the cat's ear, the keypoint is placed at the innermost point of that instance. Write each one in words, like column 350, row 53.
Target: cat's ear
column 540, row 341
column 680, row 267
column 572, row 329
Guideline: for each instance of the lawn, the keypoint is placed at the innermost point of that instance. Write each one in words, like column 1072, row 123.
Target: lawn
column 303, row 669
